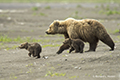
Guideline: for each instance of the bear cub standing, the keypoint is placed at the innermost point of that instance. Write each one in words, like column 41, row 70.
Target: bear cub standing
column 75, row 44
column 34, row 49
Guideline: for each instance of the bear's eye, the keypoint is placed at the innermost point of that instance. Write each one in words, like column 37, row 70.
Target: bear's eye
column 50, row 28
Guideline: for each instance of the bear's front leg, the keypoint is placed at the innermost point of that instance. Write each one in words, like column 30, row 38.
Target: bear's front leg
column 71, row 49
column 33, row 54
column 38, row 56
column 29, row 54
column 62, row 48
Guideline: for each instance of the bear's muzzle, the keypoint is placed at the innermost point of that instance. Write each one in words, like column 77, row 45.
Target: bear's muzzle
column 46, row 32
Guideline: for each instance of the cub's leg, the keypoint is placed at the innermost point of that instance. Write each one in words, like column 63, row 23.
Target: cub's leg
column 76, row 47
column 29, row 54
column 62, row 48
column 71, row 49
column 81, row 48
column 37, row 53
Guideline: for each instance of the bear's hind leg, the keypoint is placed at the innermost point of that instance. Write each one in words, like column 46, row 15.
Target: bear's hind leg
column 38, row 56
column 37, row 52
column 108, row 41
column 33, row 54
column 92, row 47
column 81, row 51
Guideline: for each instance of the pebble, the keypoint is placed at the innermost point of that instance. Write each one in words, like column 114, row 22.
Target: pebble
column 45, row 57
column 65, row 59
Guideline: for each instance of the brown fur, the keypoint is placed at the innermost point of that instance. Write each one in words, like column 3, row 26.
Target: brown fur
column 88, row 30
column 34, row 49
column 75, row 44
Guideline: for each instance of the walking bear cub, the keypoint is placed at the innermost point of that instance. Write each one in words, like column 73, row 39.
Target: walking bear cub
column 34, row 49
column 88, row 30
column 75, row 44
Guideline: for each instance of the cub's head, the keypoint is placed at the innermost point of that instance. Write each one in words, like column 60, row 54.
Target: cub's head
column 23, row 45
column 67, row 41
column 53, row 28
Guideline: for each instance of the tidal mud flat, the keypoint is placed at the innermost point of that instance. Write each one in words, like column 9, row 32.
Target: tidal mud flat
column 29, row 24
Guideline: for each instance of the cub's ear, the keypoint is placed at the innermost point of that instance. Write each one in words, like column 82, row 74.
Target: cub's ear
column 56, row 23
column 26, row 42
column 69, row 39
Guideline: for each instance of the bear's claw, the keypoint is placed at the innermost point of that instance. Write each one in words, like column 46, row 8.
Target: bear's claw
column 59, row 52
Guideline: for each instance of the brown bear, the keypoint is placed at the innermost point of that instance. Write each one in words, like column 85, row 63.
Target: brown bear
column 34, row 49
column 88, row 30
column 75, row 44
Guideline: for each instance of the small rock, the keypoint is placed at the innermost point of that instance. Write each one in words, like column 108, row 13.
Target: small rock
column 34, row 63
column 17, row 48
column 65, row 59
column 79, row 68
column 76, row 67
column 43, row 64
column 45, row 57
column 9, row 18
column 5, row 49
column 83, row 62
column 66, row 55
column 118, row 55
column 13, row 52
column 22, row 23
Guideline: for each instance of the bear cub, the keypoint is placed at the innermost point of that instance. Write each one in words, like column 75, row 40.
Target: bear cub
column 34, row 49
column 75, row 44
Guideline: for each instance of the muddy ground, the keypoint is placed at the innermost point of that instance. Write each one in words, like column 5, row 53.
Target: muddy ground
column 29, row 22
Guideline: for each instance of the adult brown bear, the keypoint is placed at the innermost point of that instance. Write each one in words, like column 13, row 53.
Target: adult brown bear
column 88, row 30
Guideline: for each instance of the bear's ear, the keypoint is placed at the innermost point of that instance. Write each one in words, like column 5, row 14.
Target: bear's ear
column 26, row 46
column 56, row 23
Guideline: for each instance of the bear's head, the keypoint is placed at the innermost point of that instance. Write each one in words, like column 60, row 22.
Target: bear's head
column 53, row 28
column 57, row 27
column 67, row 41
column 23, row 45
